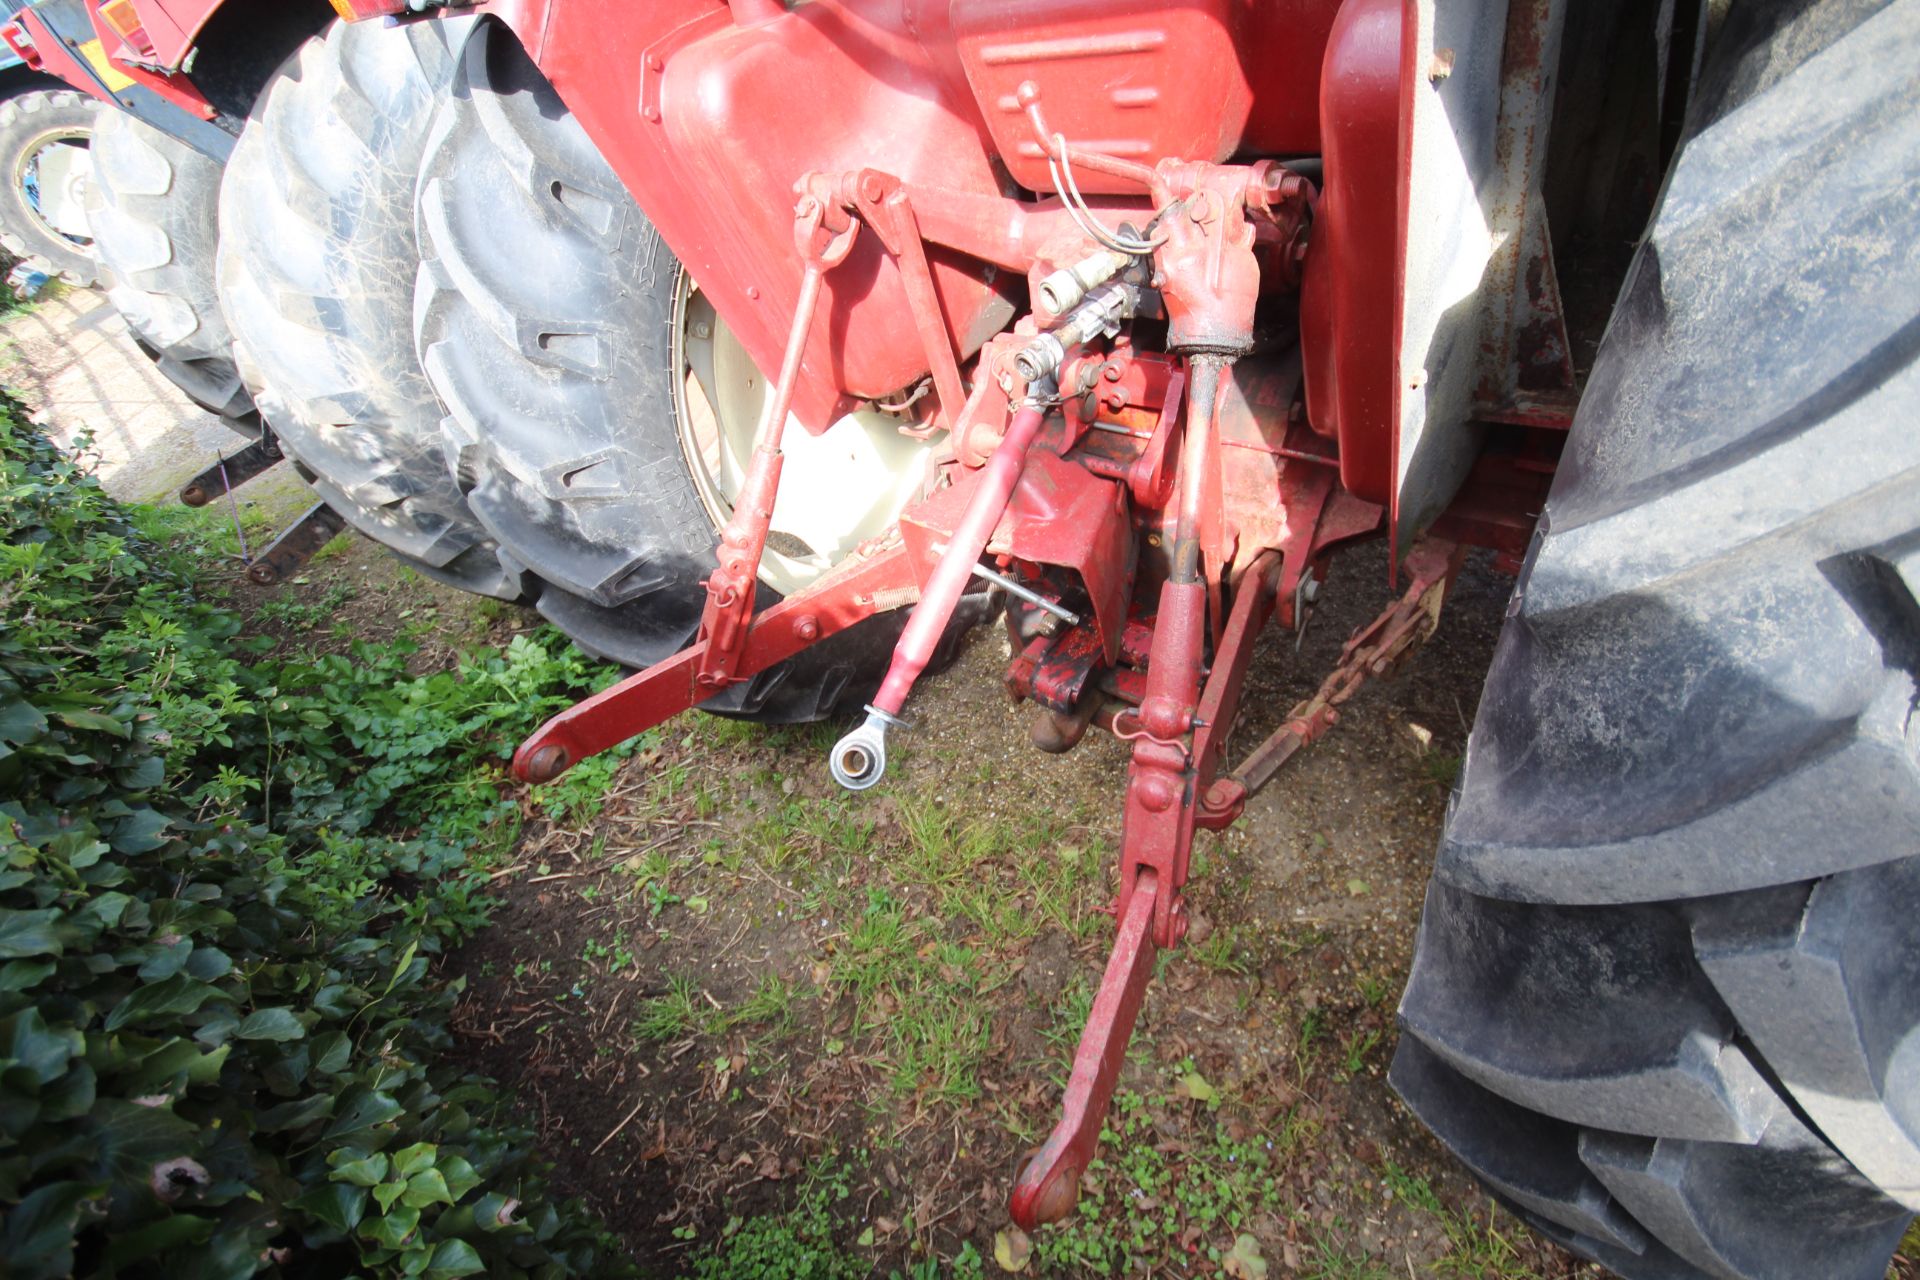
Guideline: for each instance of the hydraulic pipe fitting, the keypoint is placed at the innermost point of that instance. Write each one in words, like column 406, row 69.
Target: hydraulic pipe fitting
column 1101, row 313
column 860, row 758
column 1063, row 290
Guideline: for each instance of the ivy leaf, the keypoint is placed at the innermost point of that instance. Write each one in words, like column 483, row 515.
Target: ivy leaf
column 270, row 1024
column 495, row 1212
column 24, row 975
column 337, row 1204
column 459, row 1175
column 367, row 1109
column 145, row 775
column 331, row 1053
column 80, row 718
column 40, row 1230
column 21, row 721
column 144, row 1244
column 391, row 1229
column 388, row 1192
column 28, row 933
column 140, row 831
column 169, row 997
column 426, row 1188
column 30, row 1042
column 174, row 1060
column 411, row 1160
column 361, row 1171
column 453, row 1258
column 293, row 1115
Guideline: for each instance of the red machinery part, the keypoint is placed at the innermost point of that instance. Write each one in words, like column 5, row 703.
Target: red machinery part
column 171, row 26
column 1349, row 319
column 56, row 58
column 955, row 568
column 129, row 58
column 22, row 44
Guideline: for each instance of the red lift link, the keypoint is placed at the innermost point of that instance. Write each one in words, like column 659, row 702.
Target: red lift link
column 823, row 233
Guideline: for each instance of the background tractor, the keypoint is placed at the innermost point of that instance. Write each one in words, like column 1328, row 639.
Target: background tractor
column 765, row 347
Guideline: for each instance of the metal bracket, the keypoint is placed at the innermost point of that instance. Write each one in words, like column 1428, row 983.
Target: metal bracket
column 288, row 554
column 231, row 472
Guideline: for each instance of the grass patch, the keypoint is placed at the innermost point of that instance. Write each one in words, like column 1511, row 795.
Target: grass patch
column 923, row 999
column 1144, row 1199
column 1478, row 1248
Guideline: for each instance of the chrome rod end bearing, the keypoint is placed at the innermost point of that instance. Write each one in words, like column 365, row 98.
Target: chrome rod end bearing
column 860, row 759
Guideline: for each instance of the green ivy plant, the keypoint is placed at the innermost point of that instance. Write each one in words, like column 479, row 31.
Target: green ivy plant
column 224, row 1051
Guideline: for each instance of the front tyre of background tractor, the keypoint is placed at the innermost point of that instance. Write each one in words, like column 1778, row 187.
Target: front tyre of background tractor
column 315, row 273
column 600, row 414
column 152, row 206
column 45, row 137
column 1666, row 995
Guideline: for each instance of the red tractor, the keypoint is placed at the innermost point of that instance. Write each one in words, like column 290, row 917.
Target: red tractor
column 766, row 346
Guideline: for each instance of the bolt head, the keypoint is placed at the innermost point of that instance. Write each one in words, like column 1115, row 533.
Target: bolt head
column 807, row 627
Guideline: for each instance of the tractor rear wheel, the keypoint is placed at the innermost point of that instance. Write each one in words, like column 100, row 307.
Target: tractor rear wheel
column 152, row 206
column 600, row 414
column 45, row 137
column 316, row 269
column 1666, row 995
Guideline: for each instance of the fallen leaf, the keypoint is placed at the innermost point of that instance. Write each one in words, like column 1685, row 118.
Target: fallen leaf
column 1244, row 1261
column 1194, row 1085
column 1011, row 1249
column 1359, row 888
column 866, row 1239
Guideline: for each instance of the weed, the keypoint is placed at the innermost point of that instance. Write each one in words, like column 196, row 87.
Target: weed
column 1334, row 1256
column 1306, row 1046
column 1354, row 1053
column 796, row 1244
column 1441, row 768
column 1373, row 989
column 672, row 1014
column 1219, row 954
column 771, row 1003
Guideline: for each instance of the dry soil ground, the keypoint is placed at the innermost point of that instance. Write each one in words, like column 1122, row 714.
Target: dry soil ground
column 723, row 989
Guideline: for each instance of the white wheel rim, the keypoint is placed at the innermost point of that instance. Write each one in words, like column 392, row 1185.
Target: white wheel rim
column 60, row 165
column 837, row 489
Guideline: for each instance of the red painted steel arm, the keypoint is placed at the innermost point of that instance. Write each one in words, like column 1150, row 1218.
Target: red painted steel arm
column 1048, row 1185
column 871, row 582
column 950, row 577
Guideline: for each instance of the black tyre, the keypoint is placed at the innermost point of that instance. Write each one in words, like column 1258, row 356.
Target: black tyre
column 153, row 205
column 1666, row 994
column 316, row 270
column 596, row 404
column 44, row 151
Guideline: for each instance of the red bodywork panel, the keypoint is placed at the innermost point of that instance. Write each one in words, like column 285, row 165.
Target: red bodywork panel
column 1349, row 325
column 709, row 116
